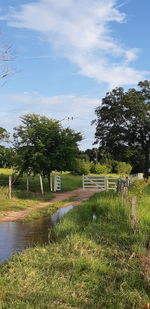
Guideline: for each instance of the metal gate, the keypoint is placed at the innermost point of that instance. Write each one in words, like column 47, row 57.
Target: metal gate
column 102, row 182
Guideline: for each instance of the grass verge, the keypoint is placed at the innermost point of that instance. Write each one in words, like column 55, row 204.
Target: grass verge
column 21, row 200
column 89, row 264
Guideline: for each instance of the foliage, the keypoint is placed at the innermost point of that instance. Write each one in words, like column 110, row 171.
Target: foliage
column 123, row 168
column 139, row 185
column 83, row 156
column 100, row 168
column 7, row 157
column 42, row 145
column 81, row 167
column 123, row 121
column 4, row 135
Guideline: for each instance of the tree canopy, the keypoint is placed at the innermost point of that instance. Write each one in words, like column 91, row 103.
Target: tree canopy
column 123, row 121
column 42, row 145
column 4, row 135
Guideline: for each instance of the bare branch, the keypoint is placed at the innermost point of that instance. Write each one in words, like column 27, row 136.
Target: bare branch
column 6, row 59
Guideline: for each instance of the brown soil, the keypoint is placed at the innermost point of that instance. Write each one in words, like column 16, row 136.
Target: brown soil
column 78, row 194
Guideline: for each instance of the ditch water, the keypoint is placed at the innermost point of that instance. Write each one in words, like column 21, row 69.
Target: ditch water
column 17, row 236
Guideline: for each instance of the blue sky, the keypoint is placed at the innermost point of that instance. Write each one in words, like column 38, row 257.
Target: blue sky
column 68, row 53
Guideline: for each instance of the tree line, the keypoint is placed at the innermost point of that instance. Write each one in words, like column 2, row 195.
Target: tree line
column 41, row 145
column 123, row 126
column 122, row 133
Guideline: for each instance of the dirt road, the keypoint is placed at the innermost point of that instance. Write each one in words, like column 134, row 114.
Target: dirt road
column 78, row 194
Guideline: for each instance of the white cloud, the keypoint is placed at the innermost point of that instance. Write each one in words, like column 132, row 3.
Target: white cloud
column 56, row 107
column 81, row 32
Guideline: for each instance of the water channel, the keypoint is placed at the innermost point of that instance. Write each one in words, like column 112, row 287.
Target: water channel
column 17, row 236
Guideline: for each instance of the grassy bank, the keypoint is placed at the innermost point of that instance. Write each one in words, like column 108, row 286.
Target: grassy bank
column 21, row 199
column 89, row 264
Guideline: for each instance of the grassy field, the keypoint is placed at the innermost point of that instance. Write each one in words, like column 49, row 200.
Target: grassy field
column 88, row 264
column 21, row 199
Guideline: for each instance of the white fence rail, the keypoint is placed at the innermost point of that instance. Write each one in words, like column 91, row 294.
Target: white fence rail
column 103, row 183
column 57, row 183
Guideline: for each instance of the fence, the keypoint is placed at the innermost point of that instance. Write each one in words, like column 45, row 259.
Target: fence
column 28, row 185
column 136, row 176
column 57, row 183
column 102, row 183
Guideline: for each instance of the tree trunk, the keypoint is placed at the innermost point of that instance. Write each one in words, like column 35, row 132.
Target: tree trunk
column 49, row 181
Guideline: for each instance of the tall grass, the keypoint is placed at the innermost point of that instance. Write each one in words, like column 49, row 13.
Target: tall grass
column 89, row 263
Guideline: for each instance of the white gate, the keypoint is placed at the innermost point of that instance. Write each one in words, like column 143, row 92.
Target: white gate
column 57, row 183
column 102, row 182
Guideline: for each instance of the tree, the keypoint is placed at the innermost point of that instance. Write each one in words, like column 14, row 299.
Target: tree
column 4, row 135
column 123, row 121
column 7, row 157
column 42, row 145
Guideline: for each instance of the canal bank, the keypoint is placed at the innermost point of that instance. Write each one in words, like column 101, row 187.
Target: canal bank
column 89, row 264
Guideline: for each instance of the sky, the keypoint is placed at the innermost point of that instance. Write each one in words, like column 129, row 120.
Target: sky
column 68, row 54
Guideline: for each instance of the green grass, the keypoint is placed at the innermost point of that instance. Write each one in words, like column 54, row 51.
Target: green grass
column 88, row 263
column 46, row 211
column 22, row 200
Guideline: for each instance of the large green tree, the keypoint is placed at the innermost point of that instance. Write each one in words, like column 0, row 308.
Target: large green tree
column 123, row 122
column 42, row 145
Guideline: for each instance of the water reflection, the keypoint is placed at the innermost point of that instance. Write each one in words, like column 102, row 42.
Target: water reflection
column 17, row 236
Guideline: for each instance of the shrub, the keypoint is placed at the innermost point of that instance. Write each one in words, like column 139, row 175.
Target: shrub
column 100, row 168
column 139, row 186
column 124, row 168
column 82, row 167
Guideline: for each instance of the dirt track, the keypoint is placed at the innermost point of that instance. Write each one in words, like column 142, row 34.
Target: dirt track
column 79, row 195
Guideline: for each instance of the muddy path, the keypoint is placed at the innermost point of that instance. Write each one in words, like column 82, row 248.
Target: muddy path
column 78, row 194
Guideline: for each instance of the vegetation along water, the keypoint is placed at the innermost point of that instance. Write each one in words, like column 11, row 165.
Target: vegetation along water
column 90, row 261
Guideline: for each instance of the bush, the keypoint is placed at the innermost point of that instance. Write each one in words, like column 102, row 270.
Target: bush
column 100, row 168
column 82, row 167
column 124, row 168
column 139, row 186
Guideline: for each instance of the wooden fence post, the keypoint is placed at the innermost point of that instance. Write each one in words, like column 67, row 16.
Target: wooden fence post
column 41, row 185
column 27, row 184
column 134, row 218
column 83, row 182
column 55, row 183
column 106, row 183
column 9, row 188
column 124, row 194
column 51, row 182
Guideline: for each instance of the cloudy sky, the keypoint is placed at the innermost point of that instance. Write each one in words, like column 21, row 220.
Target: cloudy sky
column 68, row 53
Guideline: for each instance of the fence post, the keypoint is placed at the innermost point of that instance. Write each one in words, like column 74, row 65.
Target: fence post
column 41, row 185
column 9, row 188
column 83, row 182
column 106, row 183
column 134, row 218
column 55, row 183
column 27, row 184
column 51, row 182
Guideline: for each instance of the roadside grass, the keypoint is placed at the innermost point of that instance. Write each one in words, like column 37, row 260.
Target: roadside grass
column 21, row 199
column 88, row 264
column 143, row 213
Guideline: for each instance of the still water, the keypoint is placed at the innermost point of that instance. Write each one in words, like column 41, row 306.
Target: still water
column 17, row 236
